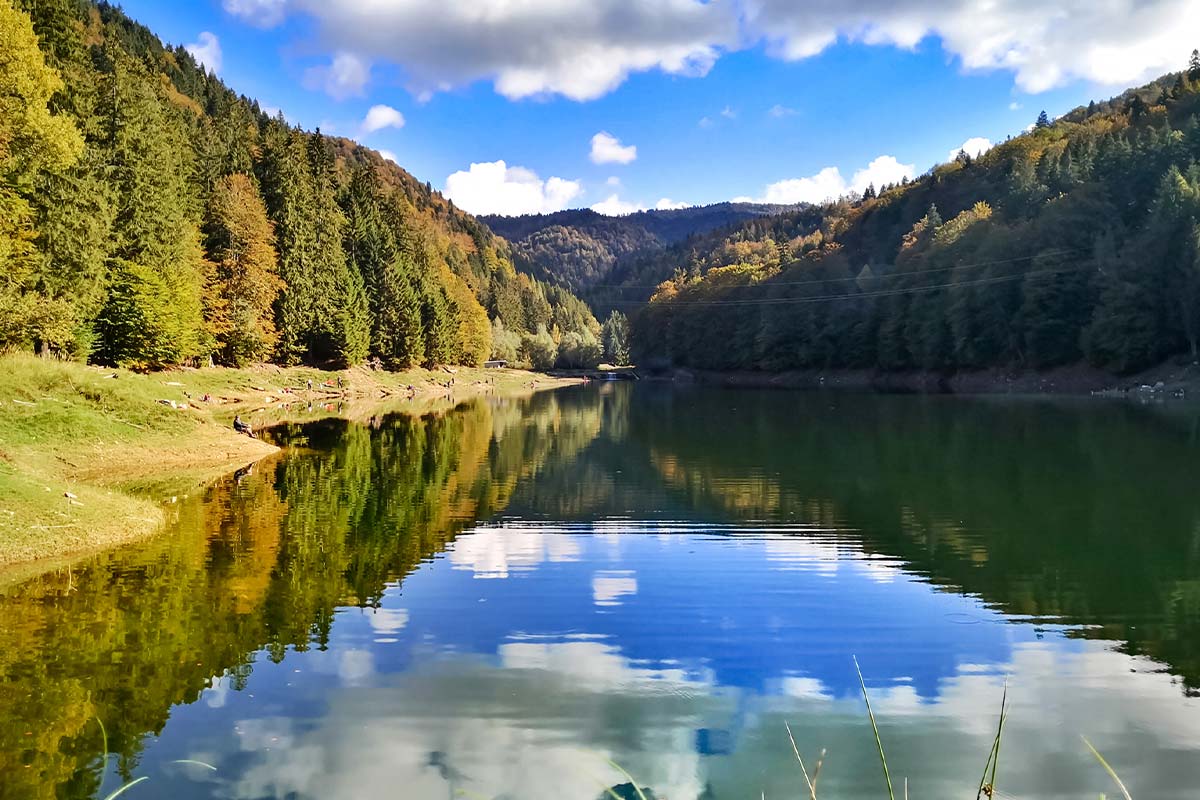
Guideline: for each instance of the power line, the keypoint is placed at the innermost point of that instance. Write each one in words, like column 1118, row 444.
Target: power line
column 865, row 295
column 1048, row 253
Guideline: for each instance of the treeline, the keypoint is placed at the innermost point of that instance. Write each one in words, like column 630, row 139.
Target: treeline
column 149, row 216
column 1079, row 240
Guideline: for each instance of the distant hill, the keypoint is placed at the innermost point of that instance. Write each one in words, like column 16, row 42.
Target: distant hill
column 579, row 249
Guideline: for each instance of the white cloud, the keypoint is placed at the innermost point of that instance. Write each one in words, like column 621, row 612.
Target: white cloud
column 667, row 204
column 779, row 111
column 1014, row 106
column 260, row 13
column 389, row 155
column 613, row 181
column 380, row 117
column 498, row 552
column 345, row 76
column 614, row 206
column 705, row 122
column 207, row 50
column 829, row 184
column 728, row 113
column 607, row 149
column 610, row 586
column 387, row 620
column 974, row 147
column 583, row 49
column 1044, row 44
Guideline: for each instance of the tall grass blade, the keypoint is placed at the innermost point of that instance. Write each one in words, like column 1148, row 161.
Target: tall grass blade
column 1112, row 772
column 988, row 785
column 999, row 736
column 104, row 756
column 817, row 769
column 126, row 787
column 887, row 776
column 193, row 762
column 636, row 788
column 812, row 790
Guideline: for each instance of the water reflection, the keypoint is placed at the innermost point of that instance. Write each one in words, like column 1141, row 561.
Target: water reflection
column 501, row 600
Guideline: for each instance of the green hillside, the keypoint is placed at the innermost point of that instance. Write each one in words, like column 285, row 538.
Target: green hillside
column 1077, row 241
column 152, row 217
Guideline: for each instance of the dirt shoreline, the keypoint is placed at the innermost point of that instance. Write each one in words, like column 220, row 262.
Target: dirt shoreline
column 1170, row 380
column 91, row 458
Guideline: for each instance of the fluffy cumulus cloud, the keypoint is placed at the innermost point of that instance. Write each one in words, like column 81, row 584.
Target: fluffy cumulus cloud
column 380, row 117
column 583, row 49
column 345, row 76
column 974, row 147
column 667, row 204
column 389, row 155
column 607, row 149
column 207, row 50
column 1043, row 44
column 829, row 183
column 614, row 206
column 580, row 49
column 496, row 188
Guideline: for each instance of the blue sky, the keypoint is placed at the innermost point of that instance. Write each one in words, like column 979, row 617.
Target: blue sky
column 760, row 99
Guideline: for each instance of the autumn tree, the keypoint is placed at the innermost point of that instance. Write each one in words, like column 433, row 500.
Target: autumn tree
column 245, row 283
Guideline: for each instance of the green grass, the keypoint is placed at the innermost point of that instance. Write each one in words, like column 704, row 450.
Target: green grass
column 86, row 452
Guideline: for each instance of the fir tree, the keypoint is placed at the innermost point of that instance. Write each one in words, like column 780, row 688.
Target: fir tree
column 615, row 339
column 1043, row 121
column 152, row 316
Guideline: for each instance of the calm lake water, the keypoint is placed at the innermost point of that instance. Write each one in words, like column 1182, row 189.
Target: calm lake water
column 506, row 600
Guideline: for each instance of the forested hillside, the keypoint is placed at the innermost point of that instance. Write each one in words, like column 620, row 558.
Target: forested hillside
column 582, row 249
column 1078, row 240
column 150, row 216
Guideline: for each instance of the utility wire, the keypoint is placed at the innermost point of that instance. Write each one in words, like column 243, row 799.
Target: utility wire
column 864, row 295
column 1048, row 253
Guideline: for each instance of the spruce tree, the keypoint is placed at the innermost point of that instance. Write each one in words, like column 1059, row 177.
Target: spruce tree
column 1043, row 121
column 152, row 316
column 1193, row 70
column 342, row 320
column 288, row 190
column 615, row 338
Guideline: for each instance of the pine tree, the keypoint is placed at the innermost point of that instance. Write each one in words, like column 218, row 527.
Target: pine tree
column 1043, row 121
column 152, row 316
column 241, row 297
column 288, row 191
column 33, row 143
column 342, row 315
column 1193, row 70
column 438, row 322
column 378, row 247
column 615, row 339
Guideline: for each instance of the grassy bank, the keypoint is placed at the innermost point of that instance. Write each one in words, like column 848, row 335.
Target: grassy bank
column 80, row 445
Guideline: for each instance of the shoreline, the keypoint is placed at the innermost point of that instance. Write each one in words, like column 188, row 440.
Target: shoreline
column 91, row 458
column 1166, row 380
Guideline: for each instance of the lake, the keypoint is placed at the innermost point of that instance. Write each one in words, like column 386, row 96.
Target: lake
column 539, row 598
